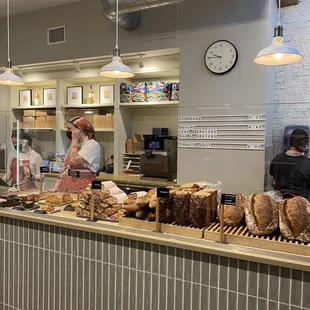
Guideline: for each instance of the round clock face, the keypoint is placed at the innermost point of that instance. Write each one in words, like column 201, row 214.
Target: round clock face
column 221, row 56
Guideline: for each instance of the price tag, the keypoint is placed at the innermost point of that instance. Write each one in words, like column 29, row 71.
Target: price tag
column 162, row 192
column 228, row 199
column 96, row 185
column 74, row 173
column 44, row 170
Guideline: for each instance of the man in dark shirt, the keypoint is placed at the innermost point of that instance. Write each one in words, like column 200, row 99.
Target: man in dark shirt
column 291, row 170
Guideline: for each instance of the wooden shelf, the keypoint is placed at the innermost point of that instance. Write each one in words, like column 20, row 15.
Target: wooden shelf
column 87, row 106
column 151, row 104
column 34, row 108
column 96, row 129
column 40, row 129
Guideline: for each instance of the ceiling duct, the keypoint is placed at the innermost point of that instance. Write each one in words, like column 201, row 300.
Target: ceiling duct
column 130, row 10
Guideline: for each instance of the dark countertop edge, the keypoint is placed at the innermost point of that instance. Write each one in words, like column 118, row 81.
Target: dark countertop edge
column 199, row 245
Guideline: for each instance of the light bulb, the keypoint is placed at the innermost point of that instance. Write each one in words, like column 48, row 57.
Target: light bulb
column 116, row 73
column 278, row 56
column 9, row 82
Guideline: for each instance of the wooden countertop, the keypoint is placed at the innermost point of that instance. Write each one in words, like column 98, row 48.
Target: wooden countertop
column 126, row 179
column 69, row 220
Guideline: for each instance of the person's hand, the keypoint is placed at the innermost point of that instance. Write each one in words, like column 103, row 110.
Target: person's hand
column 76, row 135
column 52, row 190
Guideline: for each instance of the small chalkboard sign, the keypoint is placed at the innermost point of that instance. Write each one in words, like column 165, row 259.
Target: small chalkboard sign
column 162, row 192
column 96, row 185
column 228, row 199
column 74, row 173
column 44, row 170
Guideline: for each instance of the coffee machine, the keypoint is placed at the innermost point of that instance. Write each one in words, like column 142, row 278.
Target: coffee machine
column 159, row 155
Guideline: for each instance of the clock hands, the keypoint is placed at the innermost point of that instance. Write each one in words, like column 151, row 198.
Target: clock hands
column 215, row 56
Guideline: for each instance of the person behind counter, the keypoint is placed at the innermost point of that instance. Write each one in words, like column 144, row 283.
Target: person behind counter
column 30, row 162
column 83, row 155
column 291, row 170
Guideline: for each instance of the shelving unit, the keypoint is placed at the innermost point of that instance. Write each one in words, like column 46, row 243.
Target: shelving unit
column 151, row 104
column 129, row 118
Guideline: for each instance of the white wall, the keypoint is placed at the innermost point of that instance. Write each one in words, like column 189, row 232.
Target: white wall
column 292, row 88
column 192, row 27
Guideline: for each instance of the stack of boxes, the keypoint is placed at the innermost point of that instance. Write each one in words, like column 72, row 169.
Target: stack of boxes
column 37, row 119
column 104, row 121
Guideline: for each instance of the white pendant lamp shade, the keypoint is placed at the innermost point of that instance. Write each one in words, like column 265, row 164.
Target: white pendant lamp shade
column 116, row 69
column 8, row 77
column 278, row 53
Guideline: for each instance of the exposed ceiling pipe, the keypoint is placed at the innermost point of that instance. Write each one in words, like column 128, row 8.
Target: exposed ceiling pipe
column 130, row 11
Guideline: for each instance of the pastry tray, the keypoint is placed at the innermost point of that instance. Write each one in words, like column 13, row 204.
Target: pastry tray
column 42, row 202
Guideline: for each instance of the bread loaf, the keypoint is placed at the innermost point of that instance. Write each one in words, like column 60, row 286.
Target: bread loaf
column 181, row 207
column 199, row 203
column 165, row 209
column 261, row 214
column 294, row 219
column 234, row 215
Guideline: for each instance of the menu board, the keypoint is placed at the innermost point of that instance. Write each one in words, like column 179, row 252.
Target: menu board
column 231, row 132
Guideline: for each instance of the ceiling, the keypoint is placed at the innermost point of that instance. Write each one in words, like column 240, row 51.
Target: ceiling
column 22, row 6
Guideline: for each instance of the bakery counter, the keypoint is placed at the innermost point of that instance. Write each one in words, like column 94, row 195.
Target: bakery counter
column 130, row 180
column 81, row 259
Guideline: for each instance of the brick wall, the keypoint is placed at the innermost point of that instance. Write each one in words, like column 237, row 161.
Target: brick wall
column 292, row 84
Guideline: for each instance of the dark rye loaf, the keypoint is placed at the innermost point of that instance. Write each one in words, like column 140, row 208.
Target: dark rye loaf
column 294, row 219
column 261, row 214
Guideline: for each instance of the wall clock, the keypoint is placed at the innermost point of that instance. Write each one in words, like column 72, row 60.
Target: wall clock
column 221, row 57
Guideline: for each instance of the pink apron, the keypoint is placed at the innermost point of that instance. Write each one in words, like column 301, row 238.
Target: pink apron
column 24, row 182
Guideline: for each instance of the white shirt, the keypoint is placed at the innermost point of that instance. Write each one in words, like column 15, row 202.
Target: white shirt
column 90, row 151
column 35, row 160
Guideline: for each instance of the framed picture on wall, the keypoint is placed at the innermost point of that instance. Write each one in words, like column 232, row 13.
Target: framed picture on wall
column 49, row 96
column 74, row 95
column 25, row 98
column 106, row 94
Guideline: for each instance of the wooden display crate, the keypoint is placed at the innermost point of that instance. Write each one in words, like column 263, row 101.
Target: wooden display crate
column 242, row 236
column 187, row 231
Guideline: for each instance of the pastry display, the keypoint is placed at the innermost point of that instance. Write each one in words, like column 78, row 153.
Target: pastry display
column 261, row 214
column 66, row 198
column 105, row 205
column 234, row 215
column 294, row 219
column 47, row 208
column 53, row 199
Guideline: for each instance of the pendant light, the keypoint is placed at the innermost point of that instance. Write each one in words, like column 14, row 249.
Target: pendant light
column 116, row 69
column 278, row 53
column 8, row 77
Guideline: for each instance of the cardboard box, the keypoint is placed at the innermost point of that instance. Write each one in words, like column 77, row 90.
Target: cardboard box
column 50, row 125
column 41, row 113
column 100, row 121
column 109, row 120
column 38, row 124
column 136, row 143
column 51, row 119
column 28, row 119
column 28, row 125
column 40, row 119
column 29, row 112
column 129, row 146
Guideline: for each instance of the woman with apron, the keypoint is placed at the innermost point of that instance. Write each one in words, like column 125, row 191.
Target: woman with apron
column 83, row 155
column 29, row 163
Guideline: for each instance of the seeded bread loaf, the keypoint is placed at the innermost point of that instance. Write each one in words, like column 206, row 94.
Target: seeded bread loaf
column 261, row 214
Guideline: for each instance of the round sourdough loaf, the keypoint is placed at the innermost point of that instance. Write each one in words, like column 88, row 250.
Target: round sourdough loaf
column 294, row 219
column 261, row 214
column 234, row 215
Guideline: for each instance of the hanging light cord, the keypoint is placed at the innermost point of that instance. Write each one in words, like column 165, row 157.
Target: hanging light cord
column 116, row 42
column 279, row 13
column 8, row 26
